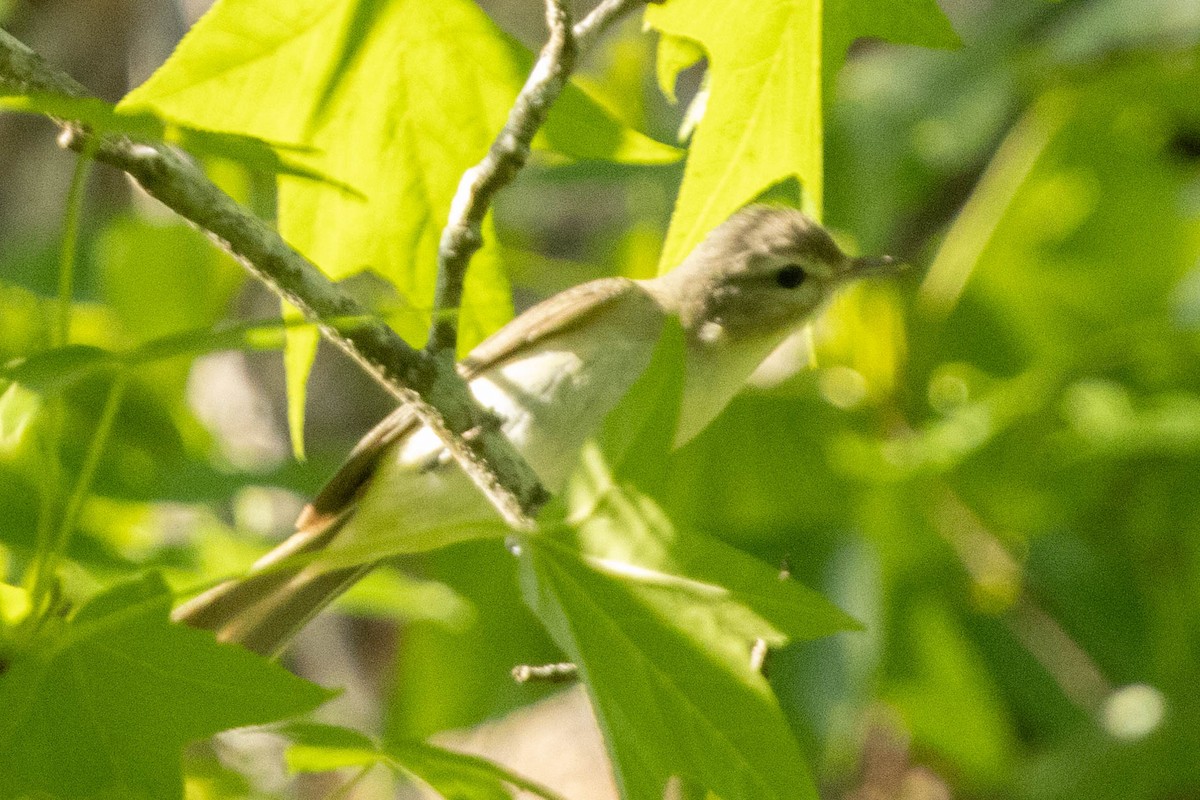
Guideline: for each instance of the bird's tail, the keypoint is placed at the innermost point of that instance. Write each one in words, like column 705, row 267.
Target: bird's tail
column 265, row 609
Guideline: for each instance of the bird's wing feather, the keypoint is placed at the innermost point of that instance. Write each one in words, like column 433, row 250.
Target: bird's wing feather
column 264, row 608
column 551, row 317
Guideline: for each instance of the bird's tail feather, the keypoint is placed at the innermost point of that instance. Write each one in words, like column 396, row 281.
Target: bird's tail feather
column 265, row 609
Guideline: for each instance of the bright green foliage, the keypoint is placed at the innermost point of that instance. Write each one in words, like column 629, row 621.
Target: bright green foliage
column 161, row 279
column 399, row 99
column 772, row 67
column 992, row 464
column 18, row 407
column 661, row 622
column 100, row 706
column 455, row 776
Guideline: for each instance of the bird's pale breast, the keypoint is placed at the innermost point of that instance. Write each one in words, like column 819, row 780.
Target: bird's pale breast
column 551, row 398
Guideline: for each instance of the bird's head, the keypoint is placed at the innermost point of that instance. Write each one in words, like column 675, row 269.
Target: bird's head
column 763, row 273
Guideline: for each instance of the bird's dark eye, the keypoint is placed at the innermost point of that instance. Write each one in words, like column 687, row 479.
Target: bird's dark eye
column 791, row 276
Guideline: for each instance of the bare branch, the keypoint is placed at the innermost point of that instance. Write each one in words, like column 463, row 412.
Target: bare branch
column 462, row 237
column 590, row 28
column 434, row 389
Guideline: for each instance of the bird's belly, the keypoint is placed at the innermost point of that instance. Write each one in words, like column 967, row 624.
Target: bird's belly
column 550, row 403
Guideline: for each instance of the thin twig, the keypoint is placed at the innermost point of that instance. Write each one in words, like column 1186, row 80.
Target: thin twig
column 563, row 672
column 434, row 389
column 462, row 237
column 60, row 334
column 83, row 486
column 598, row 20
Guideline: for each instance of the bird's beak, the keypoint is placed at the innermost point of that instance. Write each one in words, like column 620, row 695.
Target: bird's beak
column 872, row 266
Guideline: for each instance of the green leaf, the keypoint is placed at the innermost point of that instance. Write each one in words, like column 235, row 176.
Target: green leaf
column 102, row 705
column 321, row 748
column 97, row 114
column 661, row 624
column 639, row 433
column 160, row 279
column 400, row 99
column 14, row 607
column 772, row 67
column 57, row 367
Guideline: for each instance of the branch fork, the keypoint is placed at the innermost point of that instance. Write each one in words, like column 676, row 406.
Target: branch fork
column 427, row 380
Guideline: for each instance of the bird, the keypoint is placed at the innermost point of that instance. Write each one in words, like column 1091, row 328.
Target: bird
column 551, row 376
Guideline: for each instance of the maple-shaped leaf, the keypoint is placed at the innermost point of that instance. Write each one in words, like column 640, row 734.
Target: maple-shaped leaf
column 102, row 705
column 772, row 66
column 398, row 98
column 661, row 624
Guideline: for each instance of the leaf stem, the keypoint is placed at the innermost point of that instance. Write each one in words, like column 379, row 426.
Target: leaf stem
column 57, row 545
column 463, row 234
column 60, row 332
column 51, row 476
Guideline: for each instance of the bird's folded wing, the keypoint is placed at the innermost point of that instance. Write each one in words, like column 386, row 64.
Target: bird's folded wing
column 549, row 318
column 263, row 609
column 552, row 317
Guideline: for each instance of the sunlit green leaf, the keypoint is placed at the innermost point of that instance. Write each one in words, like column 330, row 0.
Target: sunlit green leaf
column 399, row 98
column 14, row 606
column 773, row 65
column 18, row 408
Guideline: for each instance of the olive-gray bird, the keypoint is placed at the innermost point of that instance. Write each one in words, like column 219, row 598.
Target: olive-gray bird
column 551, row 375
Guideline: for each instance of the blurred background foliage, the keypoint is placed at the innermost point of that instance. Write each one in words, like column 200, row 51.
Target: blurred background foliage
column 993, row 462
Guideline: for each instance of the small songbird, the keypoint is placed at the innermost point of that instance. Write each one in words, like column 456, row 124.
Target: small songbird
column 551, row 375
